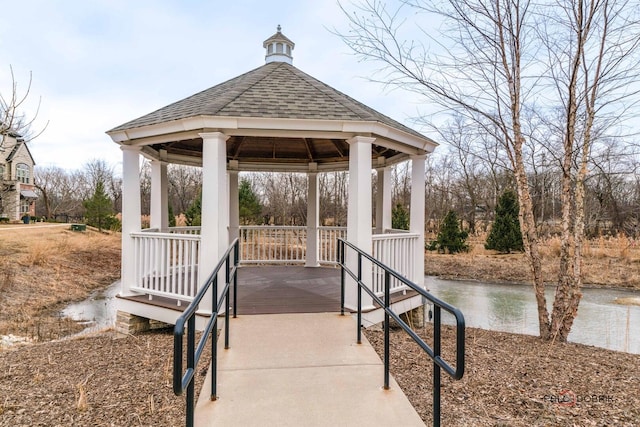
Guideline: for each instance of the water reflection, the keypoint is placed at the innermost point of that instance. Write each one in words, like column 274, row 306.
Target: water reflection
column 96, row 312
column 512, row 308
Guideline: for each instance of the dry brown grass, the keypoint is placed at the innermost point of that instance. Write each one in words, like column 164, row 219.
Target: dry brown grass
column 608, row 261
column 43, row 269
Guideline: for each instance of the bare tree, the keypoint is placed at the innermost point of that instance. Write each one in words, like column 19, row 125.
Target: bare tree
column 185, row 183
column 487, row 67
column 13, row 119
column 58, row 191
column 593, row 72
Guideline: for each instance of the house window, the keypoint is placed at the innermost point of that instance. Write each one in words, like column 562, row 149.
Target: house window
column 25, row 206
column 22, row 173
column 278, row 47
column 1, row 171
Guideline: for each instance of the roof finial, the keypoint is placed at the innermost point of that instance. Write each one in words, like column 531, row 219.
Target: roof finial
column 278, row 47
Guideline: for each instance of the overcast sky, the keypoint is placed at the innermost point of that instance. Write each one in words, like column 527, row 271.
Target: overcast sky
column 97, row 64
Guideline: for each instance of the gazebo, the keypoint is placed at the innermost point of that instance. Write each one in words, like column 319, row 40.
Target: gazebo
column 273, row 118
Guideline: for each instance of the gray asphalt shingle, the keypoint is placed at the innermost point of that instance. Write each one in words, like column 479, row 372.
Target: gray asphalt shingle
column 274, row 90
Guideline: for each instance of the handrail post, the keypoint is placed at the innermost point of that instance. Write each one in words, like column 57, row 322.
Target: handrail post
column 359, row 299
column 387, row 293
column 191, row 338
column 235, row 278
column 227, row 306
column 214, row 343
column 340, row 257
column 436, row 367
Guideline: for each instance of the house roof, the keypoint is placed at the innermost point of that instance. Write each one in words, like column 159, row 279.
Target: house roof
column 15, row 150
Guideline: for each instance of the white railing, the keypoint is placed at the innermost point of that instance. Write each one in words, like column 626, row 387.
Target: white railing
column 328, row 243
column 397, row 252
column 261, row 244
column 166, row 264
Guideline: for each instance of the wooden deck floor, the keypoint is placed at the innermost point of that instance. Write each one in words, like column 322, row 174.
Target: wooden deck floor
column 290, row 289
column 279, row 290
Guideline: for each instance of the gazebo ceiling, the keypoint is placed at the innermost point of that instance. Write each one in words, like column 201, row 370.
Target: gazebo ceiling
column 253, row 149
column 276, row 116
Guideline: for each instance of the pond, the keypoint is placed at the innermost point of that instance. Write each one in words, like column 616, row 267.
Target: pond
column 512, row 308
column 509, row 308
column 96, row 312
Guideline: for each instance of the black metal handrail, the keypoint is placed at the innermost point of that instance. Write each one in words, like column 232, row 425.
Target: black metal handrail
column 435, row 352
column 185, row 380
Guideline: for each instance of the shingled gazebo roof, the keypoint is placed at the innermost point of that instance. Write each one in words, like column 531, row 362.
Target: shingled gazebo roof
column 275, row 114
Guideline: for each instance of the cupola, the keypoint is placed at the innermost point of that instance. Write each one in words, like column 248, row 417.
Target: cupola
column 278, row 48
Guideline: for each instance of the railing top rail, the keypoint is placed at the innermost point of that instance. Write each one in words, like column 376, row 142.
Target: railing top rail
column 395, row 231
column 295, row 227
column 395, row 236
column 273, row 227
column 154, row 234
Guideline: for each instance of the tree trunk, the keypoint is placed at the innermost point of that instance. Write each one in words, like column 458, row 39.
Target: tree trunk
column 530, row 241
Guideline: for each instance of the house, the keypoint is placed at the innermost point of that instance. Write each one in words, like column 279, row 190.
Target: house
column 275, row 118
column 17, row 196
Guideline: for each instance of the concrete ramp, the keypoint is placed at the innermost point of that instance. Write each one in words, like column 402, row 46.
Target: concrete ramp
column 301, row 370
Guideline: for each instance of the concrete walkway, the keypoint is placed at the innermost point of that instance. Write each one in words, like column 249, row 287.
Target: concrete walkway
column 301, row 370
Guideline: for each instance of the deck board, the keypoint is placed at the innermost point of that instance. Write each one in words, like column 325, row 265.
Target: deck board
column 292, row 289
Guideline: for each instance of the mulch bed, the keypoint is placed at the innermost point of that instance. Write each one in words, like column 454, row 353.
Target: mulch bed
column 510, row 380
column 91, row 381
column 519, row 380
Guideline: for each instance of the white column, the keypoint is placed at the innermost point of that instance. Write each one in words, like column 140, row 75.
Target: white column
column 131, row 209
column 234, row 206
column 383, row 200
column 159, row 195
column 313, row 218
column 214, row 233
column 359, row 216
column 417, row 215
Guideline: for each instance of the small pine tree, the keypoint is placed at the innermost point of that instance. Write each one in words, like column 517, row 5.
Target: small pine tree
column 451, row 238
column 99, row 208
column 194, row 213
column 505, row 235
column 249, row 205
column 399, row 217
